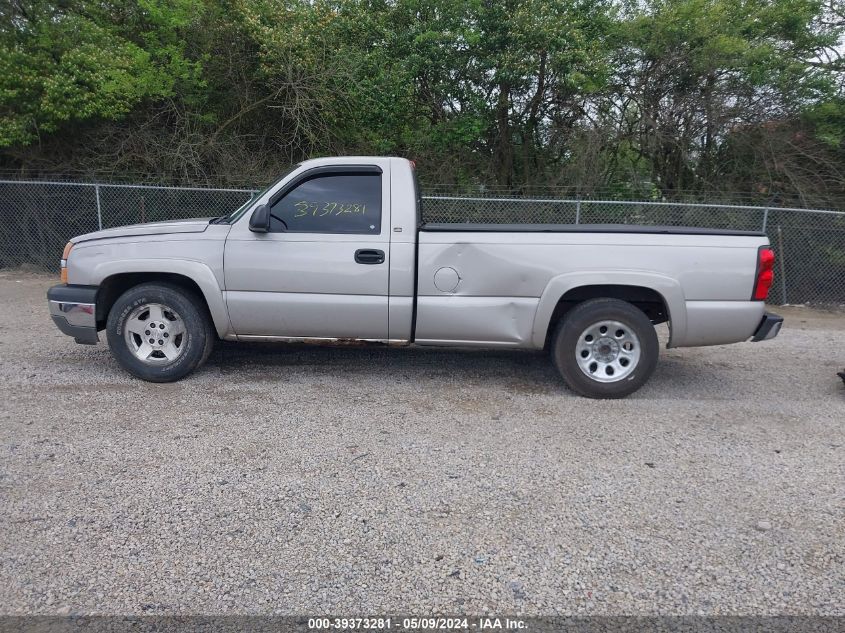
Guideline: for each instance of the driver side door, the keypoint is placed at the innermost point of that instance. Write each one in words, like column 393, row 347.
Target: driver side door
column 322, row 269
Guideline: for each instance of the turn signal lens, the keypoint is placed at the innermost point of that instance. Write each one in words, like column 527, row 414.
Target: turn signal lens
column 765, row 273
column 63, row 263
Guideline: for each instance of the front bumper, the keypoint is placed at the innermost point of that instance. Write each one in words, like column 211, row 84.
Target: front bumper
column 769, row 327
column 74, row 311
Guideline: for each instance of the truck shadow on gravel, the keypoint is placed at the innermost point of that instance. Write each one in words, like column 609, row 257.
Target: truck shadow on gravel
column 520, row 371
column 524, row 371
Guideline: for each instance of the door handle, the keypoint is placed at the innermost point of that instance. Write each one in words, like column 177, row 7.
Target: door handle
column 369, row 256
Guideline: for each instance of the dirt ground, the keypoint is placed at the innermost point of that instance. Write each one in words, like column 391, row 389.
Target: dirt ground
column 287, row 479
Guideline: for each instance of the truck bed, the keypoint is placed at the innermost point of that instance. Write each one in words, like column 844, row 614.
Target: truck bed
column 481, row 283
column 467, row 227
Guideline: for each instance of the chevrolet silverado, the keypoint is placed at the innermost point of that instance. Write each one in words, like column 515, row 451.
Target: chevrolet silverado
column 336, row 251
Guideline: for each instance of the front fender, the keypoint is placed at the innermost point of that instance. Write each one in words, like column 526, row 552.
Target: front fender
column 198, row 272
column 667, row 287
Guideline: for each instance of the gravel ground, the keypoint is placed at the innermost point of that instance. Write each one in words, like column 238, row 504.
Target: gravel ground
column 311, row 480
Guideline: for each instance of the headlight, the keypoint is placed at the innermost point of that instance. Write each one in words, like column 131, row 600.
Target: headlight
column 63, row 262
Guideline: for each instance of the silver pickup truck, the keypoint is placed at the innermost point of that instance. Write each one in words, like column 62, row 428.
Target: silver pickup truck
column 335, row 250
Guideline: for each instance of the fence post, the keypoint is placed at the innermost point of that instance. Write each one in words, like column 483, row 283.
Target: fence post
column 578, row 211
column 765, row 219
column 99, row 211
column 781, row 258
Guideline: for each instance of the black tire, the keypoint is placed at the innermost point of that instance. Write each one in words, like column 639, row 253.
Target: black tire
column 196, row 342
column 566, row 341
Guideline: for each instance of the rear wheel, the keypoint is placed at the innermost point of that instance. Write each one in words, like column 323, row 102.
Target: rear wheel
column 605, row 348
column 159, row 332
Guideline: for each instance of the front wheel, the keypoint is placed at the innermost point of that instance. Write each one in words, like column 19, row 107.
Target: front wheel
column 159, row 332
column 605, row 348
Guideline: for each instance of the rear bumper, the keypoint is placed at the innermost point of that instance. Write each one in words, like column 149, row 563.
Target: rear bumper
column 74, row 311
column 769, row 327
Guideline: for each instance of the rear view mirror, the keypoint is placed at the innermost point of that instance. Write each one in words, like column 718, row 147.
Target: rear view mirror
column 259, row 222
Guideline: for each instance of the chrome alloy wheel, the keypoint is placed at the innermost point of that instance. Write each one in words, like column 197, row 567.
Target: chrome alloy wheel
column 155, row 334
column 608, row 351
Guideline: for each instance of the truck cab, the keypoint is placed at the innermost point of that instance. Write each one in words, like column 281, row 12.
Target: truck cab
column 328, row 255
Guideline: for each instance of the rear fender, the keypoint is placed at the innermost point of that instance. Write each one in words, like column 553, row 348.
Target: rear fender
column 666, row 287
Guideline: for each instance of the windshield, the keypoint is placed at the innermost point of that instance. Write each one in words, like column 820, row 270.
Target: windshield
column 237, row 213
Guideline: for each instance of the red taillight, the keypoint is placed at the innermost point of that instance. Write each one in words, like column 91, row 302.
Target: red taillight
column 765, row 273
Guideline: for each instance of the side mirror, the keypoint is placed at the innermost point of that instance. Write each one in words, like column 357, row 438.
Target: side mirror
column 259, row 222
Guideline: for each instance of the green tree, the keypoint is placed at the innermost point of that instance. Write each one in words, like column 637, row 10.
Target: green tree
column 653, row 97
column 79, row 60
column 697, row 69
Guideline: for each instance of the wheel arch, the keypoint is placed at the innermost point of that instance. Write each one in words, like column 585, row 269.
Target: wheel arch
column 660, row 297
column 192, row 276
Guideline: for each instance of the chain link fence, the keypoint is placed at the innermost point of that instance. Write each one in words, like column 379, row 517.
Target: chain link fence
column 37, row 218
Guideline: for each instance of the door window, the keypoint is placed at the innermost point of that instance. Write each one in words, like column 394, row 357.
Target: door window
column 332, row 203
